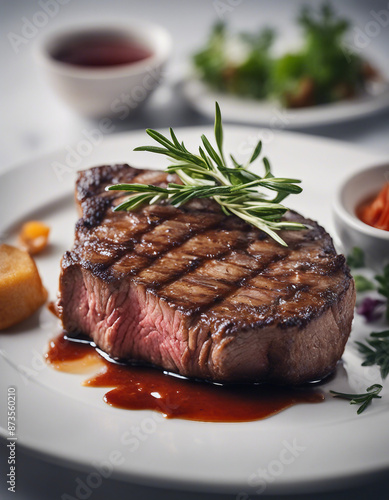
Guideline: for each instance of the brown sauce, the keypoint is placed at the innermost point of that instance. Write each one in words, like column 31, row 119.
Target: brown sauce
column 72, row 357
column 51, row 306
column 145, row 388
column 101, row 51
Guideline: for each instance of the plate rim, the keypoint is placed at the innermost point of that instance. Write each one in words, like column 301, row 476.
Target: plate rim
column 295, row 119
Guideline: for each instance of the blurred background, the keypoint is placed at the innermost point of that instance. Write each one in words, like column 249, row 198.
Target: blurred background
column 36, row 121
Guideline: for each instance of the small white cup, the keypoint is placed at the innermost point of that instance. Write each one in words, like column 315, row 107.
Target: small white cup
column 351, row 230
column 99, row 92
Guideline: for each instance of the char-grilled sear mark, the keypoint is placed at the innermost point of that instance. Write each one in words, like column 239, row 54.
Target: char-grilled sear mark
column 200, row 293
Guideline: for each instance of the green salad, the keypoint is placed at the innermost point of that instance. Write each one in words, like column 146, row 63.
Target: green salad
column 321, row 71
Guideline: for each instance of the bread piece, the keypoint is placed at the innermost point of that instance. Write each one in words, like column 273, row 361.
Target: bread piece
column 21, row 289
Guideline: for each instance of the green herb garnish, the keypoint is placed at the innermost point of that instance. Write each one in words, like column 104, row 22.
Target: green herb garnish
column 383, row 287
column 356, row 258
column 206, row 175
column 363, row 284
column 361, row 399
column 250, row 76
column 376, row 352
column 321, row 70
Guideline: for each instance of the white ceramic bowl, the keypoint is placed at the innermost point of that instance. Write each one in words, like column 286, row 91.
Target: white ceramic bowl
column 350, row 229
column 113, row 91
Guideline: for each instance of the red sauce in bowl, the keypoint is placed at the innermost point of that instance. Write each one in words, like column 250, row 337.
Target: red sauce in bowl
column 99, row 51
column 375, row 210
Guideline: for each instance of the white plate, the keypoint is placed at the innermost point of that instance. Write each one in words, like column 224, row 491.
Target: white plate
column 305, row 447
column 269, row 114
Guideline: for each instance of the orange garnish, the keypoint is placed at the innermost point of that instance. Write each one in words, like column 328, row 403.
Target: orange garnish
column 376, row 212
column 33, row 236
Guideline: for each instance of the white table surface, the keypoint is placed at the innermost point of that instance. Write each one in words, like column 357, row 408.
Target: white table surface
column 34, row 122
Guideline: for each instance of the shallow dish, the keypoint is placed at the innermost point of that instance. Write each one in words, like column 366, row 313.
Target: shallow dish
column 352, row 232
column 305, row 448
column 99, row 92
column 272, row 115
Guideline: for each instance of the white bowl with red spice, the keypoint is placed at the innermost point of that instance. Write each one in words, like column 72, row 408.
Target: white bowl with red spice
column 105, row 71
column 362, row 196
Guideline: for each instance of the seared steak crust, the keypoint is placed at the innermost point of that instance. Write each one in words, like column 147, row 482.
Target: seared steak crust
column 202, row 294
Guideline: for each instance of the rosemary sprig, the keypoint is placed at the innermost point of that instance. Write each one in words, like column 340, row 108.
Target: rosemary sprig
column 361, row 399
column 383, row 287
column 207, row 175
column 356, row 258
column 362, row 284
column 376, row 352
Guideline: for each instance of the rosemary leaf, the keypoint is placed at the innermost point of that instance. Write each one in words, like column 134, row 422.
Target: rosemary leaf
column 376, row 351
column 364, row 399
column 383, row 288
column 363, row 284
column 356, row 258
column 206, row 175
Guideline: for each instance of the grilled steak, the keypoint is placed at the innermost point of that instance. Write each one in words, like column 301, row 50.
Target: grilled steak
column 202, row 294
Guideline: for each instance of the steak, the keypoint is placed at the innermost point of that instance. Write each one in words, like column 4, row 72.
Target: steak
column 203, row 294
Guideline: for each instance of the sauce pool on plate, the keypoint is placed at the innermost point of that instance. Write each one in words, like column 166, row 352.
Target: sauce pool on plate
column 145, row 388
column 99, row 51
